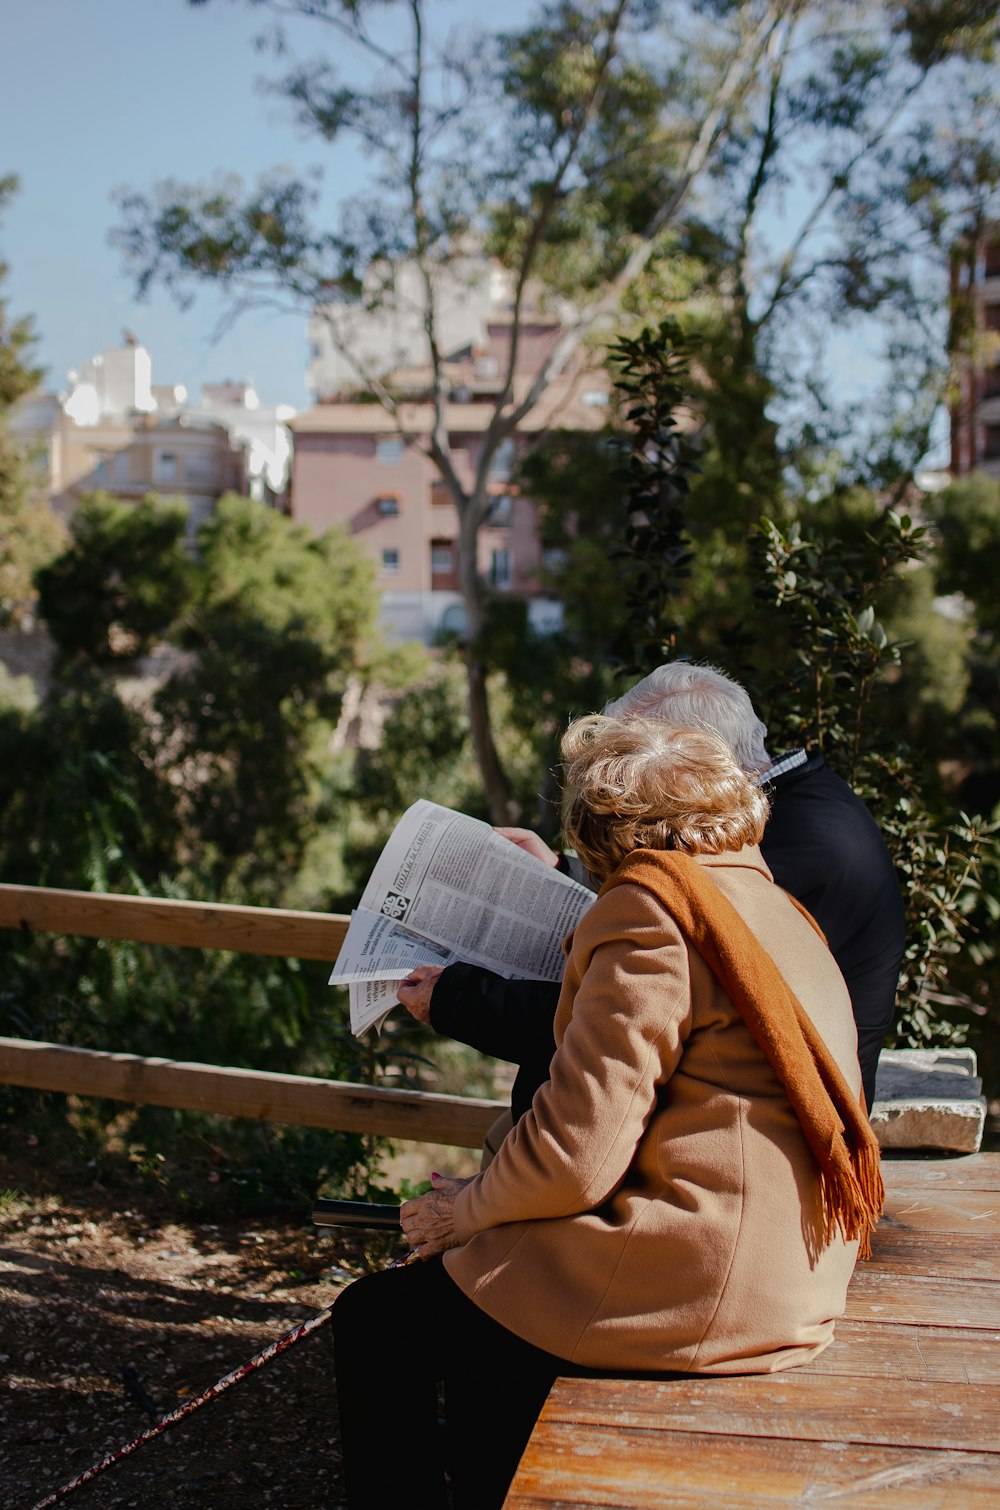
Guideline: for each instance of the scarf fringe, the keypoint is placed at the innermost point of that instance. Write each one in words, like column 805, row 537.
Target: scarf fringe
column 853, row 1194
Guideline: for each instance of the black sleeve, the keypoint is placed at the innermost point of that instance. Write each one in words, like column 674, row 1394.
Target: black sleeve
column 509, row 1019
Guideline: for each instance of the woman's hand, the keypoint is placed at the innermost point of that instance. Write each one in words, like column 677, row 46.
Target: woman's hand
column 530, row 843
column 416, row 990
column 428, row 1222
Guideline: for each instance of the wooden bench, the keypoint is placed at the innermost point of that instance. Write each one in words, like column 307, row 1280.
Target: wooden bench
column 902, row 1410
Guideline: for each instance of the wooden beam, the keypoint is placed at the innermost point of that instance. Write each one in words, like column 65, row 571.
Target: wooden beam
column 304, row 1100
column 191, row 925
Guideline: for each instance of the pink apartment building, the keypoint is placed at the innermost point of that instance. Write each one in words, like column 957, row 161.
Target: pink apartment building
column 354, row 468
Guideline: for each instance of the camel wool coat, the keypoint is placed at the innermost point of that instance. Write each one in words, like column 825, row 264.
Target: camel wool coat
column 658, row 1207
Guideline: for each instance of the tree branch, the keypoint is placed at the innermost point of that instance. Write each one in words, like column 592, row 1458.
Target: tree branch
column 837, row 185
column 315, row 10
column 734, row 87
column 502, row 425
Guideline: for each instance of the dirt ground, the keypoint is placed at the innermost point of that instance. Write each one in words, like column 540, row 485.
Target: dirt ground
column 88, row 1290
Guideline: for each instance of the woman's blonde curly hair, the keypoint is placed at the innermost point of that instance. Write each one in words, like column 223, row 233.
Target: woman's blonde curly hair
column 644, row 784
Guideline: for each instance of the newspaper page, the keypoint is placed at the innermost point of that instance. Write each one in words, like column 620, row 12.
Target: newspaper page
column 445, row 888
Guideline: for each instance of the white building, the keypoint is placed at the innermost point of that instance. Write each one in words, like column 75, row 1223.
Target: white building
column 114, row 430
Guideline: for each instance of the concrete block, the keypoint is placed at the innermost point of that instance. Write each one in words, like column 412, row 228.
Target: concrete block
column 929, row 1098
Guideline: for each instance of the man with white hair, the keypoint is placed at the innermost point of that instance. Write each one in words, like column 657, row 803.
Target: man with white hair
column 821, row 845
column 701, row 697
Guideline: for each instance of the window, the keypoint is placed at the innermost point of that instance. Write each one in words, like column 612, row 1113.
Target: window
column 453, row 619
column 442, row 559
column 501, row 509
column 387, row 504
column 200, row 467
column 991, row 447
column 500, row 568
column 390, row 561
column 503, row 461
column 389, row 449
column 165, row 467
column 594, row 398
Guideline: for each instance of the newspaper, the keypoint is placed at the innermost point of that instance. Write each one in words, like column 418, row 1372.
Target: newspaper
column 446, row 888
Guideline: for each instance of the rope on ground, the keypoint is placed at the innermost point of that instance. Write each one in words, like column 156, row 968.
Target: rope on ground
column 214, row 1390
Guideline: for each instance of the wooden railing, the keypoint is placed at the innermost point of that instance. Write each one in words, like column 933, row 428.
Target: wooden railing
column 191, row 925
column 308, row 1101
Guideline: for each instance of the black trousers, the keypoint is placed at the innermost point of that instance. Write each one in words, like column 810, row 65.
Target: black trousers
column 397, row 1336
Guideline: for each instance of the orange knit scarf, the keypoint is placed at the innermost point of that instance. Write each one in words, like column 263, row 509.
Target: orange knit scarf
column 832, row 1118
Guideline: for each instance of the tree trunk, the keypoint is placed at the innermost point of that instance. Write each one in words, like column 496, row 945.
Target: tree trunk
column 495, row 784
column 502, row 807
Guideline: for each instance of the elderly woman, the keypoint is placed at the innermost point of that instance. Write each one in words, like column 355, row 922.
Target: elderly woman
column 688, row 1190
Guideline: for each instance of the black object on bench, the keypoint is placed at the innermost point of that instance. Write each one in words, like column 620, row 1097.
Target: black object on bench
column 329, row 1213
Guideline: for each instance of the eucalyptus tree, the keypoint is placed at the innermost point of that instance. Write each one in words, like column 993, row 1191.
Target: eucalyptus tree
column 617, row 154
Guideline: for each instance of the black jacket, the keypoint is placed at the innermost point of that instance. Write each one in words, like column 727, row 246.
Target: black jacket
column 821, row 844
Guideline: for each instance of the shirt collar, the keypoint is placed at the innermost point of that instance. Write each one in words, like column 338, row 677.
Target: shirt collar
column 790, row 761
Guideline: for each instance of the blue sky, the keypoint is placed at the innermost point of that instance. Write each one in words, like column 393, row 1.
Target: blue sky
column 100, row 95
column 104, row 94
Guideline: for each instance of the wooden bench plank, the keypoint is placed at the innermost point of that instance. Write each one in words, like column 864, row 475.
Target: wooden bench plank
column 943, row 1211
column 974, row 1171
column 569, row 1466
column 792, row 1404
column 921, row 1299
column 879, row 1351
column 955, row 1255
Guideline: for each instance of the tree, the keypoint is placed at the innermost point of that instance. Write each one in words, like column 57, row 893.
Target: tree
column 267, row 626
column 823, row 596
column 123, row 582
column 81, row 805
column 207, row 785
column 30, row 534
column 280, row 623
column 595, row 145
